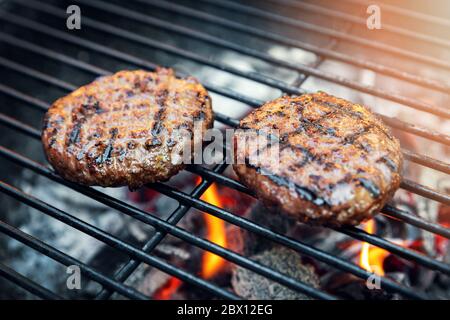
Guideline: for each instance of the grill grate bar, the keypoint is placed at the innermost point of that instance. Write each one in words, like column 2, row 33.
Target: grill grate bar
column 362, row 21
column 208, row 176
column 242, row 9
column 415, row 129
column 421, row 159
column 35, row 102
column 359, row 234
column 119, row 244
column 118, row 32
column 20, row 126
column 176, row 231
column 437, row 136
column 409, row 185
column 312, row 71
column 427, row 161
column 389, row 210
column 425, row 191
column 302, row 78
column 6, row 63
column 27, row 284
column 160, row 224
column 67, row 260
column 217, row 177
column 406, row 184
column 224, row 180
column 51, row 54
column 28, row 23
column 420, row 131
column 278, row 38
column 416, row 221
column 173, row 219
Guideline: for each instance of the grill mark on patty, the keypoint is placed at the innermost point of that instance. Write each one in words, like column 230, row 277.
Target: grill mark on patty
column 370, row 186
column 159, row 117
column 92, row 108
column 106, row 155
column 309, row 157
column 306, row 193
column 283, row 141
column 74, row 135
column 318, row 126
column 353, row 137
column 302, row 191
column 52, row 134
column 303, row 122
column 349, row 112
column 270, row 137
column 344, row 110
column 389, row 163
column 338, row 107
column 80, row 116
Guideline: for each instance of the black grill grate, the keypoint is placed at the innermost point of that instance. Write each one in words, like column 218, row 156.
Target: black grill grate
column 192, row 200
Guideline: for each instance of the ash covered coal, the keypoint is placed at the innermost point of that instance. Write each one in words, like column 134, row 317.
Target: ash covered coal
column 253, row 286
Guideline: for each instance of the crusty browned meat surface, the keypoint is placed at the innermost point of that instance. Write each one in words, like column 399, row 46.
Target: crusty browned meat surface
column 338, row 164
column 125, row 128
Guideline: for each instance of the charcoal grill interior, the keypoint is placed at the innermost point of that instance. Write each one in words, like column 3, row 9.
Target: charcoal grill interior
column 244, row 52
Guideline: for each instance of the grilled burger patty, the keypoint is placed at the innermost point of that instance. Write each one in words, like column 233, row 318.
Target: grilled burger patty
column 337, row 163
column 125, row 128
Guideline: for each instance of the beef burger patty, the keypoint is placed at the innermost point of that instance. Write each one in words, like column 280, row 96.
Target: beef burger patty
column 337, row 162
column 125, row 129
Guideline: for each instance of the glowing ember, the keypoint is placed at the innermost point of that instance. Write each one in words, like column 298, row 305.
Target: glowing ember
column 166, row 292
column 371, row 258
column 215, row 232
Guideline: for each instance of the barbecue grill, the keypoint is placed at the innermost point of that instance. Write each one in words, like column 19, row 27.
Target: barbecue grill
column 38, row 51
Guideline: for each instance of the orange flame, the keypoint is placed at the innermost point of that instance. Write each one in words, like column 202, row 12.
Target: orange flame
column 165, row 292
column 371, row 258
column 215, row 232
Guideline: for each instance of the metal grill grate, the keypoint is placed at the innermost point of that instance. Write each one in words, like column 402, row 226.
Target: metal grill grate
column 192, row 200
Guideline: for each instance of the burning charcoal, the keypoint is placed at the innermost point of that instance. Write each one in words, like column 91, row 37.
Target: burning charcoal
column 253, row 286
